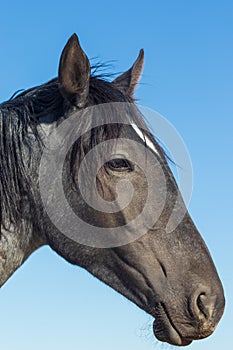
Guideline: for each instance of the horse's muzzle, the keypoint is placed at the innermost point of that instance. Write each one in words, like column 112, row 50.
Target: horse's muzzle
column 199, row 321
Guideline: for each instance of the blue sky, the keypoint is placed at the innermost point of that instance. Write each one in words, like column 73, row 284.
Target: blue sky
column 188, row 78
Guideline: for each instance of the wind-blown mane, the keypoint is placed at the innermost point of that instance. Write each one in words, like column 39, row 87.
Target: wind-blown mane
column 20, row 118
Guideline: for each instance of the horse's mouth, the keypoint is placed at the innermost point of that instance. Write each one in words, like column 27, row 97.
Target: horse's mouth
column 165, row 330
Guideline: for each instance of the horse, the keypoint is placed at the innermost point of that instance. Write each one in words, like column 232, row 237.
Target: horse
column 171, row 276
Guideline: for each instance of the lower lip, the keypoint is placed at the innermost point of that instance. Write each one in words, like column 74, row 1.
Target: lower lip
column 169, row 334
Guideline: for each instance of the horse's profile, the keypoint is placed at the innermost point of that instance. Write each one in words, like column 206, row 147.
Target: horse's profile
column 169, row 275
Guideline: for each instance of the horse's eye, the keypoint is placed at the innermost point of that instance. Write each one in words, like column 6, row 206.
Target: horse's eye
column 119, row 164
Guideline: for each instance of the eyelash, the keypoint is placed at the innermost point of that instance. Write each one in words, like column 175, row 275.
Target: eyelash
column 119, row 164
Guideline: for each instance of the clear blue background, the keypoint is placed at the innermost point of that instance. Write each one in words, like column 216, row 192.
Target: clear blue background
column 188, row 77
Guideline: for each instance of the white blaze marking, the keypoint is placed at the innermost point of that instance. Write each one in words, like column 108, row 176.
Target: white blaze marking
column 148, row 142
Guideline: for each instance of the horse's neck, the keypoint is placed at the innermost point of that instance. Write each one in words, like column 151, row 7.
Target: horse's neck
column 15, row 247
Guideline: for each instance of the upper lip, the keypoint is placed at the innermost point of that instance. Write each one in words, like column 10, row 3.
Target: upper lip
column 164, row 328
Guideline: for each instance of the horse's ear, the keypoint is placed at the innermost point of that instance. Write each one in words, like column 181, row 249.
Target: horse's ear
column 74, row 73
column 127, row 81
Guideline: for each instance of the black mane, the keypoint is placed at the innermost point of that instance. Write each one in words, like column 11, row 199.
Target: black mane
column 20, row 118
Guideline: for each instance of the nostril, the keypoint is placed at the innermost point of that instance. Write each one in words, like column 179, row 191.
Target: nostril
column 205, row 308
column 202, row 305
